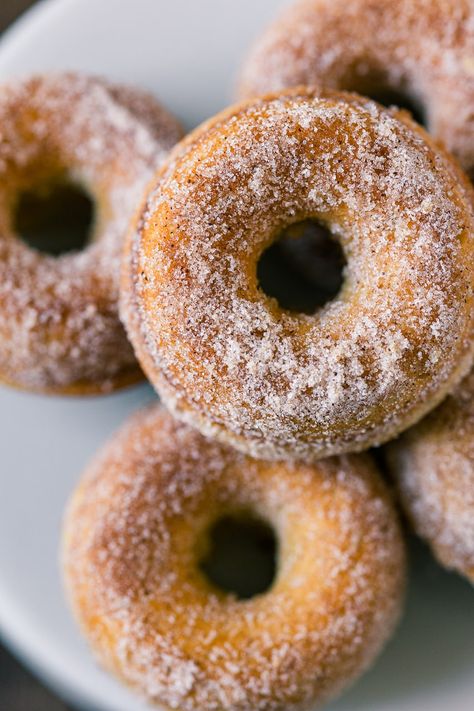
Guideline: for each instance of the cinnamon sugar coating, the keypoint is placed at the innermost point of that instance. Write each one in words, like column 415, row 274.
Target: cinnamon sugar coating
column 224, row 356
column 423, row 50
column 59, row 324
column 433, row 464
column 134, row 532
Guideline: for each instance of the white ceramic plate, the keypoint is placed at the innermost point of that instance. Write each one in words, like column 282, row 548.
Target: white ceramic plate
column 187, row 52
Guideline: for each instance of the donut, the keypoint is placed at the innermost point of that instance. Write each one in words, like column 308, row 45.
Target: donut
column 420, row 51
column 224, row 356
column 59, row 325
column 135, row 534
column 433, row 466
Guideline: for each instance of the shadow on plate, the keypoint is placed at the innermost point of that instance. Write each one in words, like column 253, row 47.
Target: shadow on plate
column 433, row 645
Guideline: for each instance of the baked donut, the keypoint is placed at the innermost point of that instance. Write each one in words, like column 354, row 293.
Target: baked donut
column 433, row 464
column 137, row 529
column 422, row 51
column 227, row 358
column 59, row 325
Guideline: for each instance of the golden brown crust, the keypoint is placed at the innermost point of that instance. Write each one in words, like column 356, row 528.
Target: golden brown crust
column 433, row 464
column 131, row 561
column 423, row 49
column 224, row 356
column 59, row 325
column 85, row 388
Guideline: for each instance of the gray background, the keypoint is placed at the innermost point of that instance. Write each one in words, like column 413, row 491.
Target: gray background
column 19, row 691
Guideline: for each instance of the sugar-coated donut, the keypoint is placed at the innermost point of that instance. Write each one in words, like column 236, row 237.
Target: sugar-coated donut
column 59, row 324
column 134, row 534
column 224, row 356
column 433, row 464
column 423, row 50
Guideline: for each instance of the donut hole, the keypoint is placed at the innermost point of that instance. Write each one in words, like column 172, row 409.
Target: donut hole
column 241, row 555
column 55, row 218
column 303, row 269
column 391, row 97
column 377, row 86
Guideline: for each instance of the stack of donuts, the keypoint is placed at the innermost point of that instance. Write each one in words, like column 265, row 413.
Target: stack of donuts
column 271, row 412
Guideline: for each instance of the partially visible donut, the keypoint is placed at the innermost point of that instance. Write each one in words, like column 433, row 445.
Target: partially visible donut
column 59, row 325
column 227, row 358
column 135, row 534
column 423, row 50
column 433, row 464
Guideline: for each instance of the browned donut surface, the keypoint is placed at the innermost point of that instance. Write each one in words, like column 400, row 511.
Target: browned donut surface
column 433, row 464
column 134, row 536
column 59, row 325
column 422, row 51
column 277, row 384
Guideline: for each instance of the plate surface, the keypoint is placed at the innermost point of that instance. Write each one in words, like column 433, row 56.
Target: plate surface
column 188, row 54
